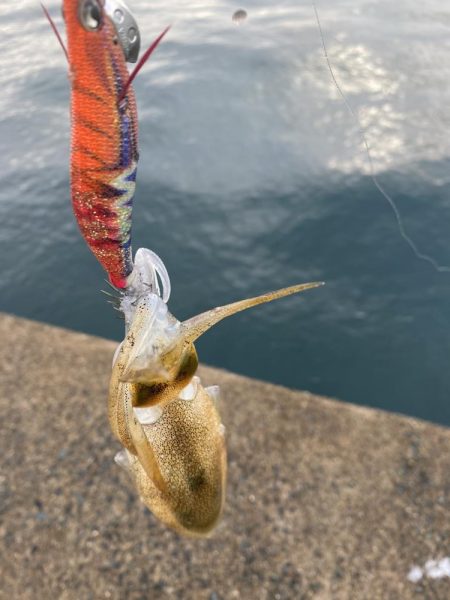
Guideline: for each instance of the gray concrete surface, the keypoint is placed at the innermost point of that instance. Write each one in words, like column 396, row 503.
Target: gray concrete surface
column 325, row 500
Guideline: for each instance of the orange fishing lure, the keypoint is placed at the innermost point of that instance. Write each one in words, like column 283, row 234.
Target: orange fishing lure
column 102, row 36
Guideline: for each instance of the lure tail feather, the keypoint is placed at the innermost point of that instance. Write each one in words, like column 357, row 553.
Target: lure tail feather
column 55, row 30
column 142, row 62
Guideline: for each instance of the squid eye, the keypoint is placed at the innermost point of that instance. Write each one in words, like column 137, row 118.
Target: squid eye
column 90, row 14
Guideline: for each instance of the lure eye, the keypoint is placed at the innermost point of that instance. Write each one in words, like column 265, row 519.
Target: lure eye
column 90, row 14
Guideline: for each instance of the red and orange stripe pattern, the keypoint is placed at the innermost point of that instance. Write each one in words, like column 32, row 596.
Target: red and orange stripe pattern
column 104, row 147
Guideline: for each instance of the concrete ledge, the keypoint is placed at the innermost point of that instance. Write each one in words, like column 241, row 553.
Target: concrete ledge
column 325, row 499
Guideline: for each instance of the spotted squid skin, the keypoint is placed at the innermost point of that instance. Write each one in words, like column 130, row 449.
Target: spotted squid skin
column 188, row 442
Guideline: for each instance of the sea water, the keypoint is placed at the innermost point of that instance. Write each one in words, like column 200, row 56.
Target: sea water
column 252, row 177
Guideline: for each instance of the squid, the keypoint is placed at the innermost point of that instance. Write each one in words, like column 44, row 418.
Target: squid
column 167, row 422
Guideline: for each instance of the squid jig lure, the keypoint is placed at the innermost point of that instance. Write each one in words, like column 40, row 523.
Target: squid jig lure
column 102, row 36
column 167, row 422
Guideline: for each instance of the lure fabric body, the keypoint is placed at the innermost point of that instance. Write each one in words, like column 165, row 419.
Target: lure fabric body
column 104, row 144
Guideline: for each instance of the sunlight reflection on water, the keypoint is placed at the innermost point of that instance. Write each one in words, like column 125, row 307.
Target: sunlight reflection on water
column 252, row 176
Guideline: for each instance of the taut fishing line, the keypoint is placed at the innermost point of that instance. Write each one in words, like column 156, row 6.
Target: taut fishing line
column 420, row 255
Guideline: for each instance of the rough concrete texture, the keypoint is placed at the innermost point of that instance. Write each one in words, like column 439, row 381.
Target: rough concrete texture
column 325, row 499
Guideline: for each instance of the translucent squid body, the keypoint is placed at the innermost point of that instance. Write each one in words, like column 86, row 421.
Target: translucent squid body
column 166, row 420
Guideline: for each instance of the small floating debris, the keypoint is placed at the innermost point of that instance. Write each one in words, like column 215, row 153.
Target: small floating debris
column 239, row 16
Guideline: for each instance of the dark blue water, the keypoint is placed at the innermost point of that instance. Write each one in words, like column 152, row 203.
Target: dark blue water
column 252, row 177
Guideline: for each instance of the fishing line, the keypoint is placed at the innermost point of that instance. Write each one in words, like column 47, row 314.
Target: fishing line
column 418, row 254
